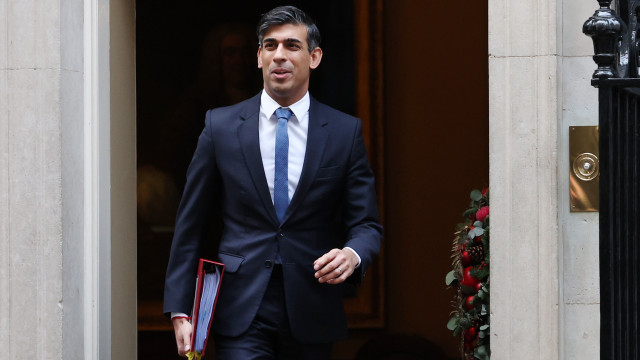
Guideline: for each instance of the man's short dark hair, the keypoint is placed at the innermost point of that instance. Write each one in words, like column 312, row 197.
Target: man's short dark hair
column 289, row 15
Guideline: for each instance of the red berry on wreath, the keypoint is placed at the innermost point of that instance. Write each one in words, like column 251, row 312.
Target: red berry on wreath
column 468, row 348
column 468, row 302
column 467, row 279
column 470, row 334
column 465, row 258
column 482, row 213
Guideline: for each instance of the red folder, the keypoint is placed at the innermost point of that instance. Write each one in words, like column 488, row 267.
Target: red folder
column 201, row 301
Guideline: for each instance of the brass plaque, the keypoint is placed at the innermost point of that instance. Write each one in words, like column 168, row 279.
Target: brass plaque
column 584, row 168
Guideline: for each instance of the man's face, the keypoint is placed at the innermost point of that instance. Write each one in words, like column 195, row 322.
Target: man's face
column 286, row 62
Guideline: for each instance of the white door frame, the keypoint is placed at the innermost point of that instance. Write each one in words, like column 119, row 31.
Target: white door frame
column 110, row 319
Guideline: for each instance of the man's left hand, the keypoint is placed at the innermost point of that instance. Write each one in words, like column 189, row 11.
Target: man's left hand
column 335, row 266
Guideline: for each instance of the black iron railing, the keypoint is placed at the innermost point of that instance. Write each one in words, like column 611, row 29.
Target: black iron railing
column 618, row 83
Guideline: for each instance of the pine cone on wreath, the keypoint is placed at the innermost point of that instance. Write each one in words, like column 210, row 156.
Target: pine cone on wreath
column 476, row 253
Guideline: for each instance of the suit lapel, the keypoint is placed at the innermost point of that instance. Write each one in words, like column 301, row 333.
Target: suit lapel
column 250, row 144
column 316, row 141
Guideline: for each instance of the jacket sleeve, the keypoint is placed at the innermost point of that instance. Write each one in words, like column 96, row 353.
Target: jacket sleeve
column 192, row 224
column 364, row 232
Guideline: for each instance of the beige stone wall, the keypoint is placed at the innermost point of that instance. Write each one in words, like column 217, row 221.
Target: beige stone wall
column 41, row 179
column 71, row 107
column 580, row 295
column 31, row 304
column 545, row 299
column 523, row 164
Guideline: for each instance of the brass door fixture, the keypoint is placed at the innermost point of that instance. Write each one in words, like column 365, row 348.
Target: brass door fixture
column 584, row 168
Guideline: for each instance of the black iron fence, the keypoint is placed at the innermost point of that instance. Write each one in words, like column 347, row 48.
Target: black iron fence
column 616, row 54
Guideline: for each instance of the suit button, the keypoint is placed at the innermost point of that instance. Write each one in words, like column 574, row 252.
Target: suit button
column 268, row 264
column 281, row 235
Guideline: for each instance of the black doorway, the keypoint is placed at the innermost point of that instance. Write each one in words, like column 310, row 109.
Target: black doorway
column 192, row 56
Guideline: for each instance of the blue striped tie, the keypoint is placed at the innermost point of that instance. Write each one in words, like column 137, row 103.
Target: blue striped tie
column 281, row 178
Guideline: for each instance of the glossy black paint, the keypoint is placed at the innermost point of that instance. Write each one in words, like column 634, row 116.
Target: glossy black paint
column 616, row 53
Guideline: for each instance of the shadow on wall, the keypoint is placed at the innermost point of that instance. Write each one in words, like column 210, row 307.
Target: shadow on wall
column 400, row 347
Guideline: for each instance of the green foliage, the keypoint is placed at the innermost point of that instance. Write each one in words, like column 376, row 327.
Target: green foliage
column 470, row 248
column 469, row 213
column 453, row 323
column 458, row 331
column 451, row 277
column 480, row 273
column 482, row 352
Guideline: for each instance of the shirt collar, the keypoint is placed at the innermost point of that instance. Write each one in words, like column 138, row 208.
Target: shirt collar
column 299, row 108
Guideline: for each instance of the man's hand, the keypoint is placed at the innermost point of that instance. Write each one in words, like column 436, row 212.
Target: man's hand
column 335, row 266
column 182, row 328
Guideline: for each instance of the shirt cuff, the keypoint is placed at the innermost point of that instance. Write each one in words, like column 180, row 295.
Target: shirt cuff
column 358, row 256
column 179, row 315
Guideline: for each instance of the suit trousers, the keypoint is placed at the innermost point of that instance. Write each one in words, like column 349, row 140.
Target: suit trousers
column 269, row 337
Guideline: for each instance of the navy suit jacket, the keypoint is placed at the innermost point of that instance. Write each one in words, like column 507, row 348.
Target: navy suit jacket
column 333, row 206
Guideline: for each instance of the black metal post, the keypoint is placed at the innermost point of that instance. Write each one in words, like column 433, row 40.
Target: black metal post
column 619, row 97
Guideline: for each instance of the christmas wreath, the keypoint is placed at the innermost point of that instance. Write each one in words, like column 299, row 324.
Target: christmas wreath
column 470, row 278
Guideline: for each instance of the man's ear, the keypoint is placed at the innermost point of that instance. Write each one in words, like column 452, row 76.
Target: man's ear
column 316, row 57
column 259, row 59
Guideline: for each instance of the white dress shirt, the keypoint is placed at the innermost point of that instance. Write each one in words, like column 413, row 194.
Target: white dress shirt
column 297, row 129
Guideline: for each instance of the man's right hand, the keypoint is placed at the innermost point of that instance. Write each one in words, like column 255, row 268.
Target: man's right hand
column 182, row 328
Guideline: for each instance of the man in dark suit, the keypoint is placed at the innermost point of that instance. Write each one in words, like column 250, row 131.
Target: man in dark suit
column 291, row 181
